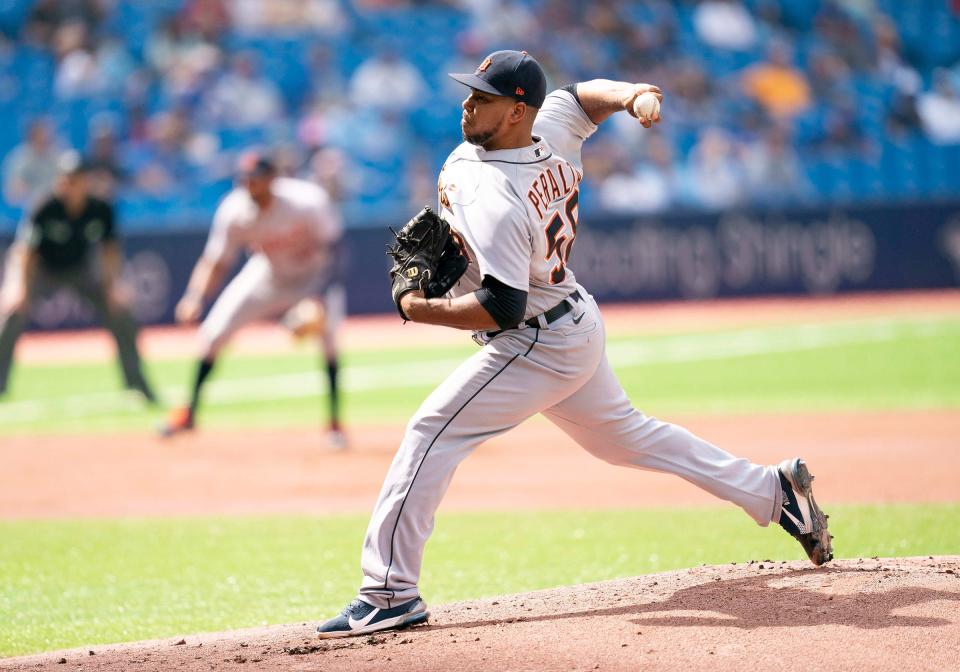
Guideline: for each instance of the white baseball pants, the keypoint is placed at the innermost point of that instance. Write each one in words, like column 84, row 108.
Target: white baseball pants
column 563, row 373
column 256, row 293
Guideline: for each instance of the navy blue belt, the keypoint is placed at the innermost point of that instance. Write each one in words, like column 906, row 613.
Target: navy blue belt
column 550, row 316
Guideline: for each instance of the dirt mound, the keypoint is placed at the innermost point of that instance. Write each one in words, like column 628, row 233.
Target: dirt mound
column 878, row 614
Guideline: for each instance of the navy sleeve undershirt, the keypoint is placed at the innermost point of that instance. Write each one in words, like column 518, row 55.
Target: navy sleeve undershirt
column 572, row 90
column 505, row 304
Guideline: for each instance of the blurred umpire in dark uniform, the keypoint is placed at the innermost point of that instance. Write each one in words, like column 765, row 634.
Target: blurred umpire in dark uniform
column 70, row 241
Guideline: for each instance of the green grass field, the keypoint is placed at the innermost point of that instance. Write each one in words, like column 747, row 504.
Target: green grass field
column 65, row 584
column 71, row 583
column 871, row 364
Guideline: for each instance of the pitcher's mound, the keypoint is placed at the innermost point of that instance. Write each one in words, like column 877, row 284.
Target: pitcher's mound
column 877, row 614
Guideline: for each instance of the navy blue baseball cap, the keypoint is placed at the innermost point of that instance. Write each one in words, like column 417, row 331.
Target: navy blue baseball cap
column 254, row 164
column 508, row 73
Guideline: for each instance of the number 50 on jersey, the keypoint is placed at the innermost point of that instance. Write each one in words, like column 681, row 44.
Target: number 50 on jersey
column 556, row 199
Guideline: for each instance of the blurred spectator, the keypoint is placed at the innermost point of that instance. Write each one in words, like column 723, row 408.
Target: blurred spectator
column 327, row 79
column 330, row 168
column 649, row 185
column 196, row 69
column 780, row 88
column 138, row 124
column 48, row 16
column 104, row 171
column 77, row 74
column 841, row 132
column 31, row 168
column 773, row 169
column 380, row 137
column 421, row 183
column 314, row 127
column 9, row 80
column 374, row 5
column 598, row 159
column 770, row 19
column 716, row 176
column 725, row 24
column 470, row 53
column 183, row 59
column 380, row 142
column 159, row 165
column 497, row 23
column 269, row 16
column 170, row 44
column 165, row 44
column 242, row 97
column 690, row 93
column 114, row 65
column 829, row 76
column 891, row 65
column 902, row 116
column 939, row 110
column 649, row 37
column 602, row 17
column 589, row 50
column 208, row 18
column 386, row 80
column 835, row 26
column 858, row 9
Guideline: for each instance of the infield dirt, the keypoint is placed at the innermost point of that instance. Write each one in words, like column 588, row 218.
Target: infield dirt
column 880, row 614
column 857, row 457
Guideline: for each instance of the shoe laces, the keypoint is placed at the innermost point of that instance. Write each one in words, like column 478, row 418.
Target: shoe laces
column 356, row 604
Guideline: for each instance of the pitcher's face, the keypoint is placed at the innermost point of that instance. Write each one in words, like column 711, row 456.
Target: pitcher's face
column 484, row 116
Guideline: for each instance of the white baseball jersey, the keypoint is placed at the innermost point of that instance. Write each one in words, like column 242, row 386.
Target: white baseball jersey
column 522, row 229
column 294, row 233
column 290, row 247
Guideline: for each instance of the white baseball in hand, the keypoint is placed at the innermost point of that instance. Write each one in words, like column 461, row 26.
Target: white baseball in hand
column 647, row 107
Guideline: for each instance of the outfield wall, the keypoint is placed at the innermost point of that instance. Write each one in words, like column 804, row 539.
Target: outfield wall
column 684, row 256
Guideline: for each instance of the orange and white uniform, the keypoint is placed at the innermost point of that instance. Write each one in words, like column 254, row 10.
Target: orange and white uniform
column 291, row 244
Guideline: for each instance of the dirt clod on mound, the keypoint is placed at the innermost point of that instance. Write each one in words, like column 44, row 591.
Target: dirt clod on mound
column 880, row 614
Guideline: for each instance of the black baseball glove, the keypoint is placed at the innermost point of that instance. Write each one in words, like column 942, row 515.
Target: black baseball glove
column 425, row 257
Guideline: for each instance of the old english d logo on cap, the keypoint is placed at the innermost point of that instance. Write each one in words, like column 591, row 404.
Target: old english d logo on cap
column 508, row 73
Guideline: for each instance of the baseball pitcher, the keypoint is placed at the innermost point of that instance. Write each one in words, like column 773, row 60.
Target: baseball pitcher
column 508, row 199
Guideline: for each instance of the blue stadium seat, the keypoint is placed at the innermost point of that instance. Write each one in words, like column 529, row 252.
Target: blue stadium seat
column 13, row 14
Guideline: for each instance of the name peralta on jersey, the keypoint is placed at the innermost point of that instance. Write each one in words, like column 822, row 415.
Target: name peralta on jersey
column 516, row 209
column 294, row 233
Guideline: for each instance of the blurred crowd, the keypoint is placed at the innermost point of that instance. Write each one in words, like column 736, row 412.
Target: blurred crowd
column 768, row 102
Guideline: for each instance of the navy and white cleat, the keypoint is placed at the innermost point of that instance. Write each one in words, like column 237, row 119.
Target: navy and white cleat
column 360, row 618
column 800, row 515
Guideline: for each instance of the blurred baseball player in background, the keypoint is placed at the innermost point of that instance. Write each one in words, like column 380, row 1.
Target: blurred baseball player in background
column 70, row 240
column 293, row 234
column 510, row 195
